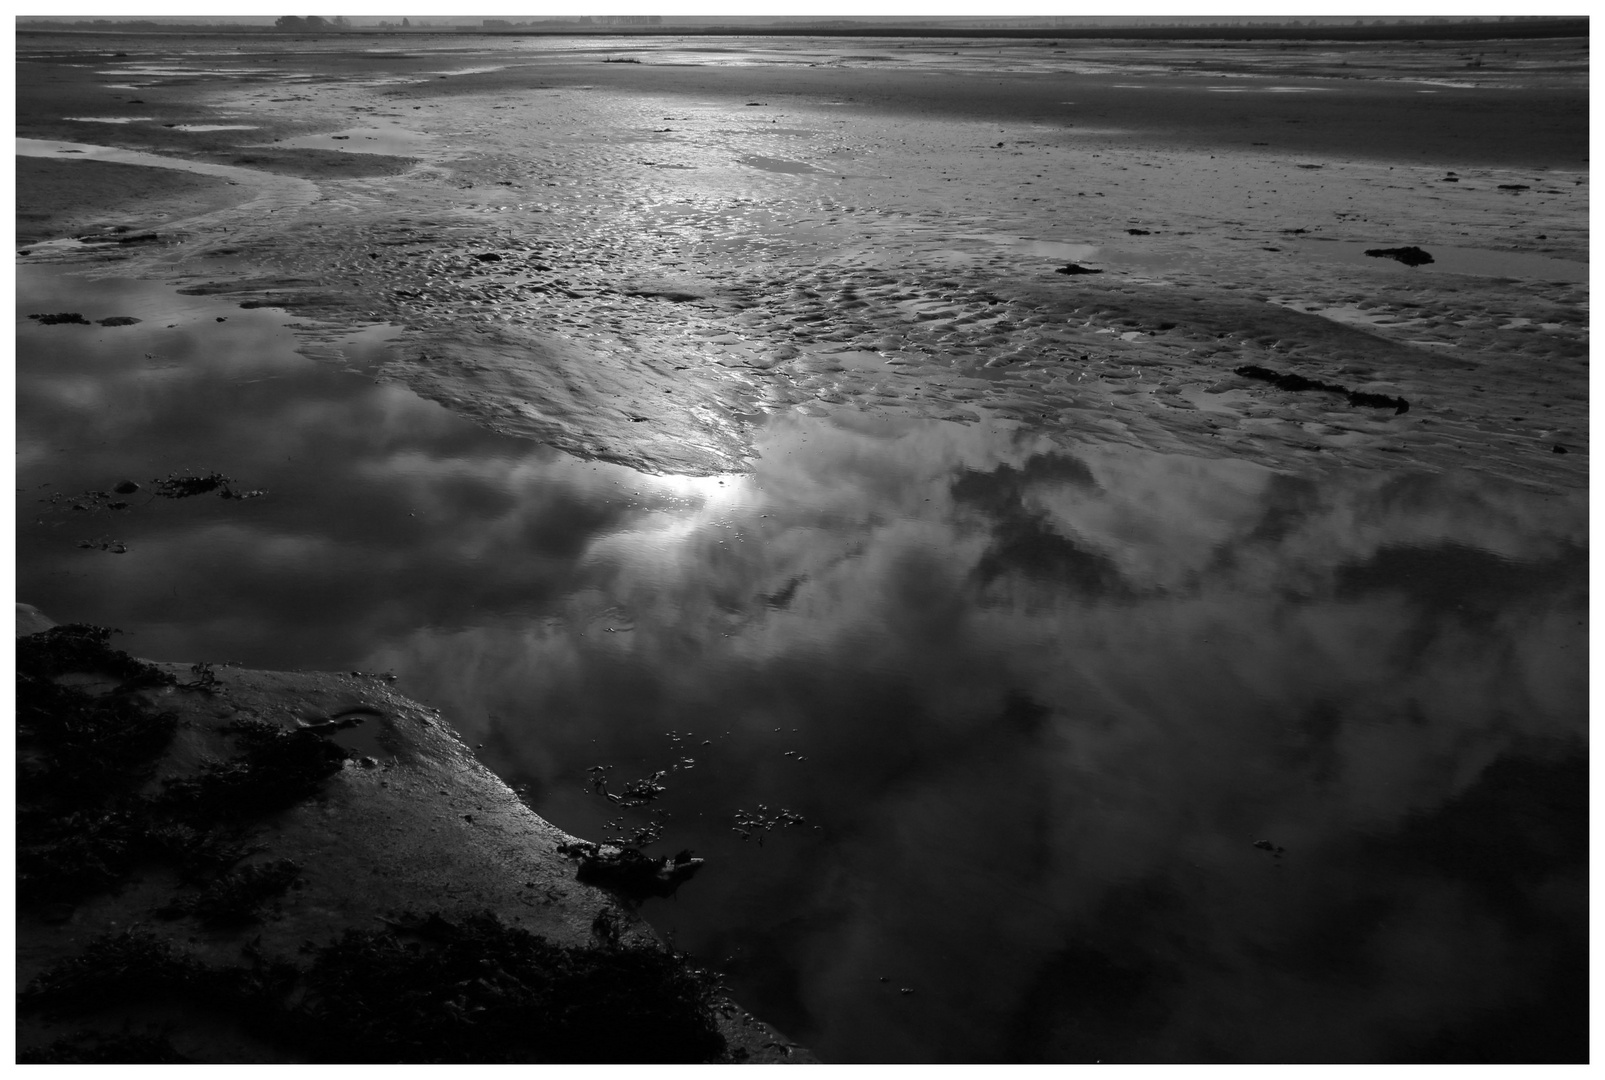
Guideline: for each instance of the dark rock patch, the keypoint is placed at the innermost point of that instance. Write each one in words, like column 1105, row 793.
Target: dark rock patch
column 1076, row 268
column 630, row 873
column 1410, row 256
column 1297, row 383
column 434, row 990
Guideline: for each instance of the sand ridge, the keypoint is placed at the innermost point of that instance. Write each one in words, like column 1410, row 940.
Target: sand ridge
column 849, row 249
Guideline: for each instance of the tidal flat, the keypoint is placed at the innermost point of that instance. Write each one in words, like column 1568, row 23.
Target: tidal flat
column 1179, row 660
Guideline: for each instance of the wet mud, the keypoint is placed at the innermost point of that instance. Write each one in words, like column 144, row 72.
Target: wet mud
column 822, row 246
column 717, row 440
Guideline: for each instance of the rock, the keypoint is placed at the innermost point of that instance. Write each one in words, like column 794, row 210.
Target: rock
column 631, row 874
column 118, row 320
column 1076, row 268
column 126, row 487
column 61, row 318
column 1295, row 382
column 1410, row 256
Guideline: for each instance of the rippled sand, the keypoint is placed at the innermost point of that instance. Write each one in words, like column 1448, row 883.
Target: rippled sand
column 634, row 261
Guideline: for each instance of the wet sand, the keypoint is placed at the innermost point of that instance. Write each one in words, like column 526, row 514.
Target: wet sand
column 631, row 261
column 724, row 259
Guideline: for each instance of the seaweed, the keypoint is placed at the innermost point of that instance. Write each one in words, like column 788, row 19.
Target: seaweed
column 83, row 826
column 765, row 820
column 61, row 859
column 1294, row 382
column 178, row 486
column 80, row 647
column 69, row 318
column 79, row 757
column 184, row 486
column 278, row 769
column 148, row 1047
column 236, row 898
column 469, row 991
column 113, row 968
column 483, row 992
column 629, row 872
column 636, row 792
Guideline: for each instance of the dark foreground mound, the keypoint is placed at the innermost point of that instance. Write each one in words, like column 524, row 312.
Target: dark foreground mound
column 211, row 869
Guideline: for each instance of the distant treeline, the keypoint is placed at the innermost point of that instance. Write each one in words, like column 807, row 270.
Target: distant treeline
column 1376, row 30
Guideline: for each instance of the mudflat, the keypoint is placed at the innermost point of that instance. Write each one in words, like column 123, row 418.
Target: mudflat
column 712, row 232
column 1111, row 516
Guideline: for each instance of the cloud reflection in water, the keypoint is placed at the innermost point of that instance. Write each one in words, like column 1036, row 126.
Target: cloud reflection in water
column 1035, row 703
column 1047, row 701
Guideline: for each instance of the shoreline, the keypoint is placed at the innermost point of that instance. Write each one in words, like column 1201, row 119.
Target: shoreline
column 640, row 263
column 407, row 827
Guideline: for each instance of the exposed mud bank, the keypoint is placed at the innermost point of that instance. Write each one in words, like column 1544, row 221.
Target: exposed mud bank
column 606, row 265
column 155, row 925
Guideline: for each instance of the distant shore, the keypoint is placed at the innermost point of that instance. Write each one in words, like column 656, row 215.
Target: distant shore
column 1524, row 29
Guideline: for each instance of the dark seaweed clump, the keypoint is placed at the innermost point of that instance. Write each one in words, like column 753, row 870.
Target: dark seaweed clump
column 277, row 769
column 481, row 992
column 629, row 872
column 184, row 486
column 60, row 318
column 106, row 1048
column 83, row 825
column 1290, row 381
column 1410, row 256
column 79, row 757
column 236, row 898
column 138, row 966
column 470, row 992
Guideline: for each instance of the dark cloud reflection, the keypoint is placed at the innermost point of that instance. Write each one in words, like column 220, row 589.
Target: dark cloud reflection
column 1035, row 703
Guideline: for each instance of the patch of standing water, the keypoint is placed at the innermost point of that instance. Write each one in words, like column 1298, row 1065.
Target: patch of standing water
column 1479, row 262
column 387, row 140
column 1097, row 753
column 779, row 165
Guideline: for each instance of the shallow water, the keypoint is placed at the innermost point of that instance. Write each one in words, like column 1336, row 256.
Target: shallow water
column 1035, row 707
column 1453, row 260
column 377, row 140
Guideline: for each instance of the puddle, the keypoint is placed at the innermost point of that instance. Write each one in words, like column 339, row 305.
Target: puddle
column 108, row 119
column 216, row 127
column 272, row 193
column 779, row 165
column 1477, row 262
column 1157, row 757
column 391, row 140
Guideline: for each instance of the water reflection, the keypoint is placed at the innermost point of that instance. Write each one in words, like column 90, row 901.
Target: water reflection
column 1036, row 704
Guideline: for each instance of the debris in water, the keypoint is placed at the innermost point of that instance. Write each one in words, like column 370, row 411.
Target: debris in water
column 1290, row 381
